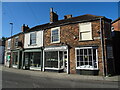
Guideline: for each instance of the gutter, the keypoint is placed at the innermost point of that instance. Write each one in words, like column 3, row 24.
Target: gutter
column 102, row 48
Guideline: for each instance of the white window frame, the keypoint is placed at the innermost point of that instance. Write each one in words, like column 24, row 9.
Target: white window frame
column 15, row 41
column 92, row 57
column 58, row 28
column 35, row 37
column 9, row 44
column 91, row 38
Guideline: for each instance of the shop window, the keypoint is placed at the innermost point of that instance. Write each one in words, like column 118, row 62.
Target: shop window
column 15, row 58
column 32, row 38
column 35, row 59
column 51, row 59
column 85, row 31
column 55, row 35
column 86, row 58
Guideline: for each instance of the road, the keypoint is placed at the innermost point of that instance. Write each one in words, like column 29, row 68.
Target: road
column 26, row 80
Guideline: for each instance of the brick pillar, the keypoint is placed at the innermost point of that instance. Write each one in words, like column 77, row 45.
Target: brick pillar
column 72, row 61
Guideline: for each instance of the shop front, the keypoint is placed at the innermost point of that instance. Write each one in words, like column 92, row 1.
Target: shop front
column 32, row 59
column 56, row 59
column 17, row 59
column 7, row 58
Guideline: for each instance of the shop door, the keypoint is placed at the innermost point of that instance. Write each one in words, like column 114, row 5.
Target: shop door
column 8, row 60
column 65, row 60
column 26, row 62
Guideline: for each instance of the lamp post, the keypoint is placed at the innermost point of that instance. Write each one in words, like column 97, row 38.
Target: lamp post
column 10, row 62
column 11, row 28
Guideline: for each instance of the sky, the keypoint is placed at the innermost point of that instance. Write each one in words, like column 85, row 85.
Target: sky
column 37, row 13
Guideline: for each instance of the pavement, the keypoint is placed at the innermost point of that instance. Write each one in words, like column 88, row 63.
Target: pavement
column 55, row 75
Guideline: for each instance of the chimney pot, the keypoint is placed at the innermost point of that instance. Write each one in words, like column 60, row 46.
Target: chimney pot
column 67, row 16
column 24, row 28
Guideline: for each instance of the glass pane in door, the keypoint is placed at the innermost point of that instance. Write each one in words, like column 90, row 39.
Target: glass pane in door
column 61, row 59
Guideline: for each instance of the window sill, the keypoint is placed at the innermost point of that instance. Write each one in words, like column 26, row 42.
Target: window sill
column 53, row 68
column 86, row 40
column 55, row 42
column 32, row 44
column 88, row 68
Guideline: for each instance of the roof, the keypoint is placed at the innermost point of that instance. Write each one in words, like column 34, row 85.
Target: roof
column 82, row 18
column 116, row 20
column 14, row 35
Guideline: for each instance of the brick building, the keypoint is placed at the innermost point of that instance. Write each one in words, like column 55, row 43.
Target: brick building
column 2, row 50
column 116, row 43
column 116, row 24
column 81, row 45
column 14, row 49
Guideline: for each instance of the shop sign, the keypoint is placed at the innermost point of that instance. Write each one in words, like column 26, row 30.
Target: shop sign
column 56, row 48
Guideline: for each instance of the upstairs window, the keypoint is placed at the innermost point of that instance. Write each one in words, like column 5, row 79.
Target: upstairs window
column 32, row 38
column 55, row 35
column 85, row 31
column 9, row 44
column 16, row 41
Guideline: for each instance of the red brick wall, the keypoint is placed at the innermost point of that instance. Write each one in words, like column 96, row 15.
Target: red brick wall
column 20, row 39
column 116, row 25
column 66, row 35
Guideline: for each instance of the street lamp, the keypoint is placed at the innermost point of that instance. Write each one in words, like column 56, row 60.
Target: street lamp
column 11, row 28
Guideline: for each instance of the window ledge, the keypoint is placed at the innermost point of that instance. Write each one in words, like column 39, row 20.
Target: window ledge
column 32, row 44
column 86, row 40
column 53, row 68
column 88, row 68
column 55, row 42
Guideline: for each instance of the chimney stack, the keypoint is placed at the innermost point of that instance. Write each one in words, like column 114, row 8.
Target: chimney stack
column 67, row 16
column 24, row 28
column 53, row 16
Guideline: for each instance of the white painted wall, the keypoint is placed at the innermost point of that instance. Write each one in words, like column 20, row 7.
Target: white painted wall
column 1, row 54
column 39, row 40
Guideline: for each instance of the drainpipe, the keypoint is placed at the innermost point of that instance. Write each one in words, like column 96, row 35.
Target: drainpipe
column 102, row 48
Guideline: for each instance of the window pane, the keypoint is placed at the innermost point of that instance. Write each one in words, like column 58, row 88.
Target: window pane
column 61, row 58
column 36, row 59
column 78, row 58
column 86, row 63
column 85, row 51
column 32, row 38
column 81, row 51
column 85, row 27
column 94, row 58
column 78, row 64
column 90, row 58
column 51, row 59
column 81, row 58
column 90, row 63
column 78, row 52
column 89, row 51
column 55, row 35
column 85, row 35
column 81, row 63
